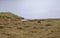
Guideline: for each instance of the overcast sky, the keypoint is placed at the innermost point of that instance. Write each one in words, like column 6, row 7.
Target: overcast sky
column 32, row 8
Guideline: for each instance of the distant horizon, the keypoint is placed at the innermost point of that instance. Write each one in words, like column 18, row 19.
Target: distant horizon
column 33, row 18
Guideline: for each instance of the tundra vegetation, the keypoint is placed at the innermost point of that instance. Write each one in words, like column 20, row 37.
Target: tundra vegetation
column 12, row 26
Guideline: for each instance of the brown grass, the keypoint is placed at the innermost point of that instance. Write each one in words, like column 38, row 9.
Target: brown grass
column 12, row 27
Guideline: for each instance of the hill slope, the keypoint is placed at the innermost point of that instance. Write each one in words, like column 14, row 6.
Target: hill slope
column 11, row 26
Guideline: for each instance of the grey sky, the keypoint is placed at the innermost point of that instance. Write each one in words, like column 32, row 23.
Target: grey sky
column 32, row 8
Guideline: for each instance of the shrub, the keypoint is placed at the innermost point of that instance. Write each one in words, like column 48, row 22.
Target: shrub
column 48, row 25
column 38, row 22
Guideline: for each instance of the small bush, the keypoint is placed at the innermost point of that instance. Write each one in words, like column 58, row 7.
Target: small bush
column 38, row 22
column 48, row 25
column 6, row 34
column 20, row 28
column 1, row 27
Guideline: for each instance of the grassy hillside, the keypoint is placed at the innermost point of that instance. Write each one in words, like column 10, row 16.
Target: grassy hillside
column 12, row 26
column 9, row 15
